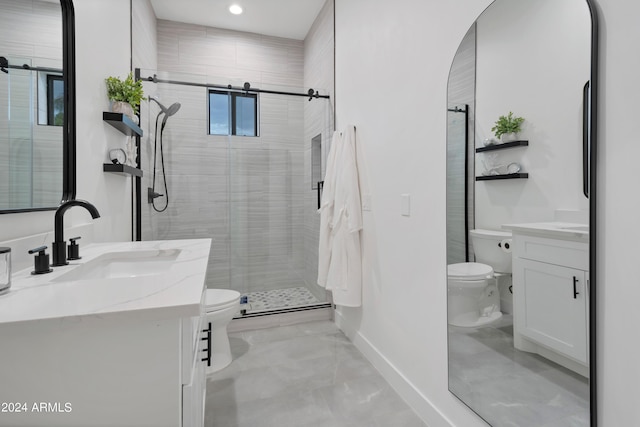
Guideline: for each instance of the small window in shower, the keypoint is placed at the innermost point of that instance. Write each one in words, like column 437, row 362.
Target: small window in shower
column 55, row 100
column 50, row 99
column 316, row 161
column 233, row 113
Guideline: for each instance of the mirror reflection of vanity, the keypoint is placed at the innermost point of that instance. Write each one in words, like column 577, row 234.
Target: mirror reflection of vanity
column 37, row 129
column 520, row 337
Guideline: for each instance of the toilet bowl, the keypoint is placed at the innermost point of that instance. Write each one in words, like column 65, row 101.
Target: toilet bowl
column 473, row 297
column 221, row 306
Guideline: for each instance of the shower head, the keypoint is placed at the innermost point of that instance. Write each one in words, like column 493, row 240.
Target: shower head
column 170, row 111
column 173, row 108
column 4, row 64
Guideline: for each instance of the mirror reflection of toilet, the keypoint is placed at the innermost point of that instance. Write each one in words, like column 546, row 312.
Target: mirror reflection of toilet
column 473, row 296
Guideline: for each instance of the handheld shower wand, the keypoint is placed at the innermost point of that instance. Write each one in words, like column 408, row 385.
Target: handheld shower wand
column 168, row 112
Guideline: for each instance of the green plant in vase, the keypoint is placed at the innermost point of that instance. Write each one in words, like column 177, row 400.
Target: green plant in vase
column 507, row 127
column 127, row 91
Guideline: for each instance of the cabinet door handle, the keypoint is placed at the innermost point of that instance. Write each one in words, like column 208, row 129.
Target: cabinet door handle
column 575, row 287
column 208, row 349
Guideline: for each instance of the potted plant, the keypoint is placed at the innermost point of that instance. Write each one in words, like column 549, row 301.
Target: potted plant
column 125, row 95
column 507, row 127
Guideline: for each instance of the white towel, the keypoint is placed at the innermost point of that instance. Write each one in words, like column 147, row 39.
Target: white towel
column 340, row 257
column 326, row 211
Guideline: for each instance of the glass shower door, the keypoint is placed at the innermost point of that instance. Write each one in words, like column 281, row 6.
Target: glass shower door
column 273, row 230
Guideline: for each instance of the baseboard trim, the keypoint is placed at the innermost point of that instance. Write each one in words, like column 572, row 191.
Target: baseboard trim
column 401, row 384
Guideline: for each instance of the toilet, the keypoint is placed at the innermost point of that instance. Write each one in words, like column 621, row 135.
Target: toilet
column 221, row 306
column 473, row 297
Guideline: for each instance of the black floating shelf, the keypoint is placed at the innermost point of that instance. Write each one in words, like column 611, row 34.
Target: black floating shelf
column 511, row 144
column 122, row 169
column 505, row 176
column 123, row 123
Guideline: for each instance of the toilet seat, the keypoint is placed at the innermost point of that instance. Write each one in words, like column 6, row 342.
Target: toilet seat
column 219, row 299
column 469, row 271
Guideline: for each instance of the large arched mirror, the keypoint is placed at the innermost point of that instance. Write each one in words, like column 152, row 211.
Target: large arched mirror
column 520, row 214
column 37, row 104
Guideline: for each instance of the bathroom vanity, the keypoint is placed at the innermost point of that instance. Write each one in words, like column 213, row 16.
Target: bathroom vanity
column 113, row 339
column 550, row 292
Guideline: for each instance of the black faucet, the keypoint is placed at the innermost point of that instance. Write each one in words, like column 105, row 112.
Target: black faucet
column 59, row 247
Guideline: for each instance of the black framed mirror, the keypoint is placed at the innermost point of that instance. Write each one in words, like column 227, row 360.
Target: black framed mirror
column 37, row 105
column 521, row 234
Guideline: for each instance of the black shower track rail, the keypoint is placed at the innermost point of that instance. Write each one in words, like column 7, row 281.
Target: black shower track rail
column 311, row 93
column 27, row 67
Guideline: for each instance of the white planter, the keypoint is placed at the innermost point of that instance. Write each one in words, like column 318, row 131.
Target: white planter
column 508, row 137
column 122, row 107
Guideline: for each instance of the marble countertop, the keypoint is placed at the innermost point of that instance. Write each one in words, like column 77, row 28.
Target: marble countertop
column 176, row 291
column 558, row 230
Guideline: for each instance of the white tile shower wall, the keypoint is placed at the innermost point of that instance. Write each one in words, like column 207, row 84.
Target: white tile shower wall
column 318, row 119
column 246, row 193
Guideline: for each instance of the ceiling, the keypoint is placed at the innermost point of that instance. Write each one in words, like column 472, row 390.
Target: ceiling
column 281, row 18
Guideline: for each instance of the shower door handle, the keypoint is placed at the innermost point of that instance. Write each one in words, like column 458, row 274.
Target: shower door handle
column 319, row 188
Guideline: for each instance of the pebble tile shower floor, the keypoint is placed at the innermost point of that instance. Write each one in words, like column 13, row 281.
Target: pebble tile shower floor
column 278, row 298
column 305, row 375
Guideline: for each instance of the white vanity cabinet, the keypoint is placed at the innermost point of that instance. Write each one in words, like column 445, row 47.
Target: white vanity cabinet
column 550, row 293
column 96, row 350
column 197, row 346
column 106, row 372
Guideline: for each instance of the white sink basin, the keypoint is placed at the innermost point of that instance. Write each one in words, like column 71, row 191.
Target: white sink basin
column 118, row 265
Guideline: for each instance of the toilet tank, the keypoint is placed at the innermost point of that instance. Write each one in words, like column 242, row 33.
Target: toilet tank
column 489, row 250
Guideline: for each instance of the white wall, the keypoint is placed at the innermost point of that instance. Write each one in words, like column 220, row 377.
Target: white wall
column 102, row 49
column 391, row 77
column 144, row 37
column 618, row 207
column 392, row 66
column 528, row 63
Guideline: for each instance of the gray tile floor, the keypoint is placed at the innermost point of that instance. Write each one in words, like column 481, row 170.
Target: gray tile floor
column 305, row 375
column 508, row 387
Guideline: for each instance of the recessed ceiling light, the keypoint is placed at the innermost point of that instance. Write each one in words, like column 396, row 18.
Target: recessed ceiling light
column 235, row 9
